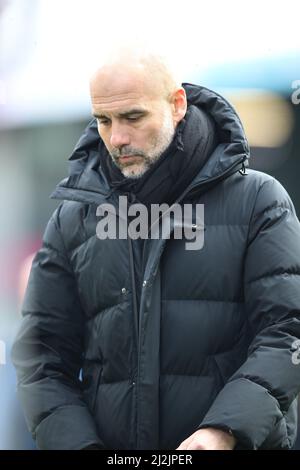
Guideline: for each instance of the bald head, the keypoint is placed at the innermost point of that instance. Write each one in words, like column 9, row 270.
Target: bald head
column 151, row 73
column 138, row 105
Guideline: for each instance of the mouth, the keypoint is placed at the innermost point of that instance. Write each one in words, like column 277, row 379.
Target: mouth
column 129, row 158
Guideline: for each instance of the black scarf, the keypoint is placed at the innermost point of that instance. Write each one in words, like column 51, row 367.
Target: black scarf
column 193, row 143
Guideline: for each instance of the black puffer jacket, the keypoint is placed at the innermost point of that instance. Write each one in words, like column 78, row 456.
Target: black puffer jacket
column 211, row 340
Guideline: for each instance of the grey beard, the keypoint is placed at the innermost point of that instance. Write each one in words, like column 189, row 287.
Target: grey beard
column 164, row 139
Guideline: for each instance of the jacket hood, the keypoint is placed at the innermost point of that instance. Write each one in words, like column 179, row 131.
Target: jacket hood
column 85, row 175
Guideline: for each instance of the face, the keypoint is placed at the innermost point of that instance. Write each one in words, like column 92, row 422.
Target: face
column 135, row 124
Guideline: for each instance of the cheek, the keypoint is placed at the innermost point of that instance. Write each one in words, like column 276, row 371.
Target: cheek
column 149, row 135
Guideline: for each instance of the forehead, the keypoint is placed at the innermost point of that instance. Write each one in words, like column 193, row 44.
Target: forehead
column 116, row 91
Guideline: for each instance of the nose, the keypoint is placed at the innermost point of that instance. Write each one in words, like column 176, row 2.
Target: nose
column 119, row 137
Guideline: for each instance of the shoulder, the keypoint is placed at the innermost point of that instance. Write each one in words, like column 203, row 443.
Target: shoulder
column 240, row 198
column 254, row 180
column 258, row 188
column 267, row 190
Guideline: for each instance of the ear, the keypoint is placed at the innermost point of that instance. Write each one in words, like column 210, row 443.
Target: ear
column 179, row 105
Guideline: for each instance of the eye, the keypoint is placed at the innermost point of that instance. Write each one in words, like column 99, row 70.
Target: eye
column 134, row 118
column 103, row 122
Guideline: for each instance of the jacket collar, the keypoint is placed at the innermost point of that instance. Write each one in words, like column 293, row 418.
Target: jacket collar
column 86, row 183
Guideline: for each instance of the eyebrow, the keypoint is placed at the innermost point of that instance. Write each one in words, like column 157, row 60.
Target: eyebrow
column 125, row 114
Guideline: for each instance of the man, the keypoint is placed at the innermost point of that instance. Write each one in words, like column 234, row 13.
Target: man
column 141, row 343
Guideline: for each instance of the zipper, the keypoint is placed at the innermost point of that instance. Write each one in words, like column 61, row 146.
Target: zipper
column 136, row 328
column 134, row 295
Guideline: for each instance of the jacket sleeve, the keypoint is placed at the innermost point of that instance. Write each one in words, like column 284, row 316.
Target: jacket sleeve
column 48, row 351
column 255, row 401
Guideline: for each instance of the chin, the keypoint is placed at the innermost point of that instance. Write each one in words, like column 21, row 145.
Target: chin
column 134, row 171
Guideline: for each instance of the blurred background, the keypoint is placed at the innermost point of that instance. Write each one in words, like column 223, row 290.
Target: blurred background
column 248, row 51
